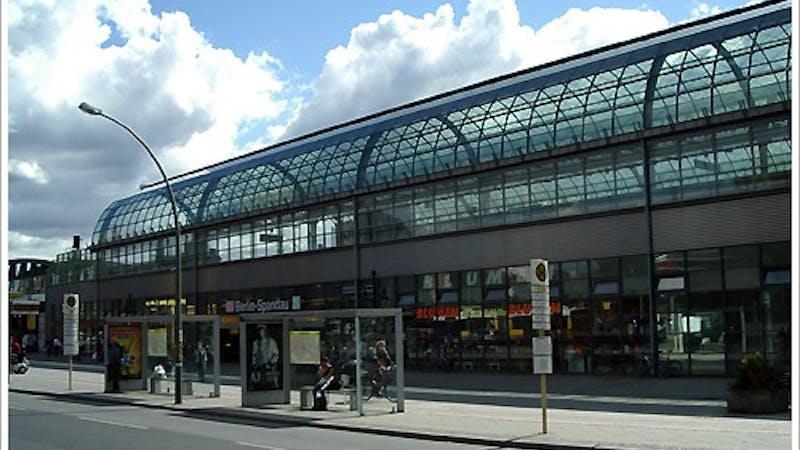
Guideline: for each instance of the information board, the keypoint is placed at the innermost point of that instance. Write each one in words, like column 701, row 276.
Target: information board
column 157, row 341
column 71, row 308
column 540, row 295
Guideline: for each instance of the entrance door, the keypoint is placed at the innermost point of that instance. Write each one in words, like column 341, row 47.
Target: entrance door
column 743, row 324
column 777, row 323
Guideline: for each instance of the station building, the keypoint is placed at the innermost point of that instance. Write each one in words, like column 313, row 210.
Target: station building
column 653, row 174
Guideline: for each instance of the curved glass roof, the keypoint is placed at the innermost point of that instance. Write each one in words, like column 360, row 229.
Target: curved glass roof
column 732, row 63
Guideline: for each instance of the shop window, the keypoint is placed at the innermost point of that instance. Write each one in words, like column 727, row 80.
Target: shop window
column 741, row 267
column 471, row 287
column 519, row 281
column 495, row 296
column 495, row 277
column 705, row 272
column 448, row 298
column 776, row 255
column 426, row 295
column 448, row 280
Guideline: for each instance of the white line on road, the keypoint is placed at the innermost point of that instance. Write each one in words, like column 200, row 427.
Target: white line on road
column 248, row 444
column 108, row 422
column 16, row 408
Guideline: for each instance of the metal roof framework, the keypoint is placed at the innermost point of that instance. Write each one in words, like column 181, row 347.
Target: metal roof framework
column 730, row 64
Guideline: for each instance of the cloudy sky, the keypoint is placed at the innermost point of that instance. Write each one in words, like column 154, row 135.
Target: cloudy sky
column 205, row 81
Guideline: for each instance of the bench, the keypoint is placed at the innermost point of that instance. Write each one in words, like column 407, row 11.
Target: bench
column 307, row 396
column 164, row 385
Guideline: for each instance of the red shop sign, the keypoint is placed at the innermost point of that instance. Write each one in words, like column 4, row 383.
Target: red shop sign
column 519, row 309
column 437, row 313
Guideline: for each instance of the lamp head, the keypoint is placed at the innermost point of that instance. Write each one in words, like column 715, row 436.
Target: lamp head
column 89, row 109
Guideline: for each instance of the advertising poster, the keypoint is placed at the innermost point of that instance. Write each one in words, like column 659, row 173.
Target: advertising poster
column 304, row 347
column 157, row 341
column 264, row 359
column 129, row 339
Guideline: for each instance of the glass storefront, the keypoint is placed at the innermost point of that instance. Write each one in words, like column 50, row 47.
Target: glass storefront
column 712, row 306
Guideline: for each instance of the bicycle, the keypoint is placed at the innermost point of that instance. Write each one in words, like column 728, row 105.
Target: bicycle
column 666, row 367
column 380, row 385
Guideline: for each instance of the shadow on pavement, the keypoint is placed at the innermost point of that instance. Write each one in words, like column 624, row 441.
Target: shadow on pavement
column 228, row 415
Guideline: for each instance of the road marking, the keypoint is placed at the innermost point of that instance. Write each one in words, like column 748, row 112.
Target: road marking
column 17, row 408
column 108, row 422
column 248, row 444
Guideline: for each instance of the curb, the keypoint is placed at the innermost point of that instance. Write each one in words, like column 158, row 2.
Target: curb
column 244, row 415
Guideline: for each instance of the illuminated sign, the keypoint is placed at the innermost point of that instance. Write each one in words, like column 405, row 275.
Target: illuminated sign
column 437, row 313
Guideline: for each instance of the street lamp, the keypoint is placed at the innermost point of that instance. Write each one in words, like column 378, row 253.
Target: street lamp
column 94, row 111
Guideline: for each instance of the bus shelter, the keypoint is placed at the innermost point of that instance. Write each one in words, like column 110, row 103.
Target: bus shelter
column 281, row 351
column 149, row 341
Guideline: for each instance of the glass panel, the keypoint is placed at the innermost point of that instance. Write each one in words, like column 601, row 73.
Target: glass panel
column 741, row 267
column 705, row 271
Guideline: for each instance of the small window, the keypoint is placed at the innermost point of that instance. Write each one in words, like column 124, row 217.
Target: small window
column 671, row 284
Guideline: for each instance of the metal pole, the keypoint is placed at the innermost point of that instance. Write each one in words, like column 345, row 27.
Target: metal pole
column 651, row 286
column 178, row 318
column 357, row 321
column 70, row 372
column 543, row 392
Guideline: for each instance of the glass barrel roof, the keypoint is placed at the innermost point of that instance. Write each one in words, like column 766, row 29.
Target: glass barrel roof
column 720, row 66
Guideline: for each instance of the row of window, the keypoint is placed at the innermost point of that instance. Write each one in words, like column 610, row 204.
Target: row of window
column 729, row 160
column 728, row 74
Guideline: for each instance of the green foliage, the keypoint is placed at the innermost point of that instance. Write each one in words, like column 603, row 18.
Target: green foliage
column 755, row 375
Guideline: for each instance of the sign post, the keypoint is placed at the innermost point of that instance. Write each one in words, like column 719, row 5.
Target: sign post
column 70, row 308
column 542, row 344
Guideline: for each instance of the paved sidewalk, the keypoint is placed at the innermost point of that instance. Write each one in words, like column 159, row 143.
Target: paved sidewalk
column 695, row 396
column 457, row 422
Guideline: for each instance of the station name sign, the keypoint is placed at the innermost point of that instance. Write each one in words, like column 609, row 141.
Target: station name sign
column 256, row 306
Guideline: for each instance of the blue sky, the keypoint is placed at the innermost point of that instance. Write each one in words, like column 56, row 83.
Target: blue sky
column 301, row 33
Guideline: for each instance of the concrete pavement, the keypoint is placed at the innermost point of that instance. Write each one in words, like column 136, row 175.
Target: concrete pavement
column 698, row 396
column 454, row 421
column 44, row 423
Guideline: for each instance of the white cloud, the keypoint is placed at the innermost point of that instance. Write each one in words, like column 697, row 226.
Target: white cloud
column 187, row 98
column 701, row 10
column 196, row 104
column 23, row 245
column 400, row 58
column 30, row 170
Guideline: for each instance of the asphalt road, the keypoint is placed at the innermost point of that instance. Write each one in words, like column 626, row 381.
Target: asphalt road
column 46, row 424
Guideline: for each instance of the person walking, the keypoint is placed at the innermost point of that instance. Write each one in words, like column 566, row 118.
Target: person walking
column 15, row 353
column 114, row 367
column 201, row 361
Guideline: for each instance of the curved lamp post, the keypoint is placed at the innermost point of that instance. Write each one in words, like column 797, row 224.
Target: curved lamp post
column 94, row 111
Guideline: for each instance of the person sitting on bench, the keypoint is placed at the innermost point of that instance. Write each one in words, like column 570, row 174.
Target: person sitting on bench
column 327, row 380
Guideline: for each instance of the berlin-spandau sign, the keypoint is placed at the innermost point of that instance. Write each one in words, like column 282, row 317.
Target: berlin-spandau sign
column 256, row 306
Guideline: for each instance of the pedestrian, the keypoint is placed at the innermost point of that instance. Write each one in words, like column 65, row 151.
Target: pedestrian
column 57, row 347
column 15, row 350
column 201, row 360
column 99, row 347
column 114, row 367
